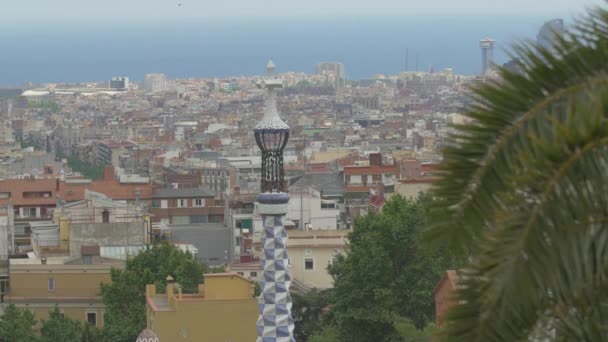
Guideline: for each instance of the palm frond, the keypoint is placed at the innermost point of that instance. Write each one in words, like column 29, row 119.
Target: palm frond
column 524, row 192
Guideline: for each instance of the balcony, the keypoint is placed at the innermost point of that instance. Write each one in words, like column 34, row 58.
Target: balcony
column 242, row 211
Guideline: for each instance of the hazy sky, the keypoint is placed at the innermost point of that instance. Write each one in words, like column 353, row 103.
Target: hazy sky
column 29, row 12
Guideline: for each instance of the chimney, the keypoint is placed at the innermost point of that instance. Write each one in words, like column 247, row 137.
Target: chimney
column 170, row 289
column 57, row 184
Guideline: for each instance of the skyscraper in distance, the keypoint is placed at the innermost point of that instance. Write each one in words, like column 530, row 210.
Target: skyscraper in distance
column 119, row 82
column 487, row 54
column 154, row 83
column 334, row 68
column 549, row 32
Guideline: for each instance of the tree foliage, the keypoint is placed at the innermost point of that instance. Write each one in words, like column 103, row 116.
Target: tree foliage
column 125, row 296
column 91, row 333
column 17, row 325
column 327, row 334
column 88, row 170
column 307, row 311
column 60, row 328
column 524, row 195
column 385, row 274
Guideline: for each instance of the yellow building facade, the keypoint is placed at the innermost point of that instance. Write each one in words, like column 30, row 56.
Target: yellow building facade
column 74, row 289
column 311, row 251
column 224, row 309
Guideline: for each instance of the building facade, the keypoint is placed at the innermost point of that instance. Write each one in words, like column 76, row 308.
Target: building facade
column 310, row 252
column 186, row 206
column 444, row 296
column 74, row 289
column 154, row 83
column 224, row 309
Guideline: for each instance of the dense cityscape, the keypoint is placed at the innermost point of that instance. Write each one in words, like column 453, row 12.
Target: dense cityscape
column 144, row 209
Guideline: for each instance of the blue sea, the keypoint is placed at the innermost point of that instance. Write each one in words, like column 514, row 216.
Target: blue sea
column 220, row 47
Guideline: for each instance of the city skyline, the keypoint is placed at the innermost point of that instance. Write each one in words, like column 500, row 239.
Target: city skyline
column 219, row 49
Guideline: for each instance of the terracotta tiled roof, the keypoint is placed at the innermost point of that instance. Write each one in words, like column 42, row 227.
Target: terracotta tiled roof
column 111, row 188
column 429, row 168
column 449, row 276
column 351, row 188
column 377, row 201
column 370, row 170
column 419, row 180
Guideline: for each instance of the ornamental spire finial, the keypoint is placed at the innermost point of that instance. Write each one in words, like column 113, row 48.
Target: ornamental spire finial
column 270, row 68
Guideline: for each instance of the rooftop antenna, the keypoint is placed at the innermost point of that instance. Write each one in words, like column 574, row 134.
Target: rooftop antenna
column 416, row 61
column 406, row 57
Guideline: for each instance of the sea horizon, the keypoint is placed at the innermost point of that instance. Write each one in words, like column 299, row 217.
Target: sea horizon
column 232, row 47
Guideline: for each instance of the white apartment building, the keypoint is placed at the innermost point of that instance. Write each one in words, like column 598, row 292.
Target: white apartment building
column 308, row 210
column 154, row 83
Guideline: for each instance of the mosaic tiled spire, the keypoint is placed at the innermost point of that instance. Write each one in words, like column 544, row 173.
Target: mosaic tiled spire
column 275, row 323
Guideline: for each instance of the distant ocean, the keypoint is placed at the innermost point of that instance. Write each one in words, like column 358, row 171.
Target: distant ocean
column 234, row 47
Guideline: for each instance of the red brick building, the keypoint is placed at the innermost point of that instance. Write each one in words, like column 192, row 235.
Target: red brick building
column 444, row 296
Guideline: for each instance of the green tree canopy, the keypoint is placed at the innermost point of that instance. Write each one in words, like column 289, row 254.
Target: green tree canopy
column 87, row 170
column 91, row 333
column 307, row 311
column 125, row 297
column 385, row 274
column 60, row 328
column 524, row 195
column 17, row 325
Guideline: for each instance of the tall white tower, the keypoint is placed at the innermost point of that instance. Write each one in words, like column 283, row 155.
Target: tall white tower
column 487, row 54
column 275, row 323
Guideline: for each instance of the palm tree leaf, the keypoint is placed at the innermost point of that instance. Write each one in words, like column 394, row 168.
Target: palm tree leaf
column 524, row 193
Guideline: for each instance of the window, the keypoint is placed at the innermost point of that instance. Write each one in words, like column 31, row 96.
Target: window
column 216, row 218
column 309, row 264
column 105, row 216
column 182, row 203
column 51, row 284
column 328, row 205
column 355, row 179
column 87, row 259
column 253, row 274
column 180, row 220
column 199, row 219
column 3, row 286
column 164, row 204
column 92, row 318
column 199, row 202
column 29, row 212
column 155, row 204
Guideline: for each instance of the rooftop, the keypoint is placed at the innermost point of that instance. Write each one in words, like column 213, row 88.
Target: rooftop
column 330, row 184
column 369, row 170
column 183, row 192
